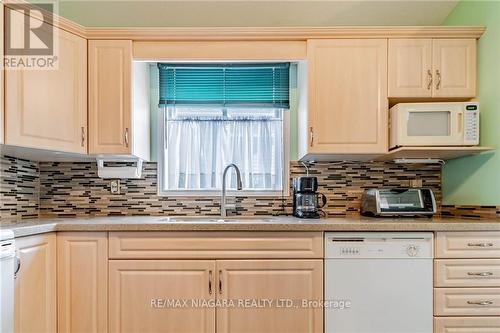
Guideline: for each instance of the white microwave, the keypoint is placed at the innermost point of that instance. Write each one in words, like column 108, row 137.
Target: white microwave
column 434, row 124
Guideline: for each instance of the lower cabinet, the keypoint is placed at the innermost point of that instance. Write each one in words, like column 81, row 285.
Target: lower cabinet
column 467, row 282
column 158, row 296
column 466, row 324
column 74, row 283
column 286, row 283
column 82, row 282
column 35, row 284
column 214, row 295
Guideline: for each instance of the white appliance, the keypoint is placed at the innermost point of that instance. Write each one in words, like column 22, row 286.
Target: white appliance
column 378, row 282
column 434, row 124
column 7, row 259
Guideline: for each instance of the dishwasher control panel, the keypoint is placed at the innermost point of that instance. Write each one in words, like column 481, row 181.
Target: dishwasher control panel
column 379, row 245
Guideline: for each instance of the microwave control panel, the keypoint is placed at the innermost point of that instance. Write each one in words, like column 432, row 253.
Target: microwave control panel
column 471, row 124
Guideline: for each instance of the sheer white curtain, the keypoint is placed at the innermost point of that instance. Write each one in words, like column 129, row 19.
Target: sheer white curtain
column 198, row 149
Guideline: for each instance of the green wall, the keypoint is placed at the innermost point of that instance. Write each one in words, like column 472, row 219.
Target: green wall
column 476, row 180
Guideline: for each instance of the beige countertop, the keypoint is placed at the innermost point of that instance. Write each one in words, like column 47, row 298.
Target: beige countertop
column 264, row 223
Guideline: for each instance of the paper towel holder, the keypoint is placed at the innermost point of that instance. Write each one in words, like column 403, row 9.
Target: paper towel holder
column 119, row 172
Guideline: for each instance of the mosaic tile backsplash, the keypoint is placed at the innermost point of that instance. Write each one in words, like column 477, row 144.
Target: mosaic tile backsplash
column 19, row 188
column 56, row 189
column 73, row 189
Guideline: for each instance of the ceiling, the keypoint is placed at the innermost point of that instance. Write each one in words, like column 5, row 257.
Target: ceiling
column 257, row 13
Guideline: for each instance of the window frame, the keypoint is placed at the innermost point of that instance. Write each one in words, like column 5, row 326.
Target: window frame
column 285, row 191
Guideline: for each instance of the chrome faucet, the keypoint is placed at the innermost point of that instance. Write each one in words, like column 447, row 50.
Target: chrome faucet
column 223, row 205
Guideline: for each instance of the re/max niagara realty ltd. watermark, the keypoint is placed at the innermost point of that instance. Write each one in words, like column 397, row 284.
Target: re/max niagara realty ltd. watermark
column 30, row 38
column 250, row 303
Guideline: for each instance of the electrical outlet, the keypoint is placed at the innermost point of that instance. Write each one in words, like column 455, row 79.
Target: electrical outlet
column 114, row 185
column 415, row 182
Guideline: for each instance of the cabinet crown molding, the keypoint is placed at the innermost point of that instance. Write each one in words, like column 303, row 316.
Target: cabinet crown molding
column 282, row 33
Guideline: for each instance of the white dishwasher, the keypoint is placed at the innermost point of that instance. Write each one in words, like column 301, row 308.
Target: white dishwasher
column 378, row 282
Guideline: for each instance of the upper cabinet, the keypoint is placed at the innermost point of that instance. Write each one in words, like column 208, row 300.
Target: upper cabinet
column 454, row 64
column 118, row 118
column 110, row 71
column 347, row 99
column 47, row 108
column 410, row 68
column 425, row 68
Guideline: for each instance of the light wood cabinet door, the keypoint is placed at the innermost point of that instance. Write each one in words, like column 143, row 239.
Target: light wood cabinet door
column 35, row 284
column 110, row 68
column 210, row 245
column 467, row 273
column 410, row 67
column 467, row 301
column 140, row 292
column 454, row 62
column 347, row 96
column 82, row 281
column 466, row 244
column 467, row 324
column 243, row 280
column 47, row 108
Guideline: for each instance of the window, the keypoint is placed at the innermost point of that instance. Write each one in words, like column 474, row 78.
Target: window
column 216, row 114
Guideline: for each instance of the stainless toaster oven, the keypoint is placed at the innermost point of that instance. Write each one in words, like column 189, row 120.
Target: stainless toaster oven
column 398, row 202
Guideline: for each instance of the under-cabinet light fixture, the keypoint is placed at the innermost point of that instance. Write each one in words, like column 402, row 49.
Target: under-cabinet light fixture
column 419, row 161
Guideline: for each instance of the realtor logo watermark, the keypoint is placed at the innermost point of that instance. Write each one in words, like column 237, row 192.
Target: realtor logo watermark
column 30, row 39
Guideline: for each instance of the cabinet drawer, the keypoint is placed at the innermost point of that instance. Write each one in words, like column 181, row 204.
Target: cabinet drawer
column 484, row 244
column 467, row 301
column 202, row 245
column 467, row 325
column 467, row 273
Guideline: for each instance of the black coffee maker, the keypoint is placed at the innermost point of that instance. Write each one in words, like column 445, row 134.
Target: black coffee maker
column 306, row 199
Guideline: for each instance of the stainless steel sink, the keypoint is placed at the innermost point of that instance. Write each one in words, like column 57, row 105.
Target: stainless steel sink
column 215, row 219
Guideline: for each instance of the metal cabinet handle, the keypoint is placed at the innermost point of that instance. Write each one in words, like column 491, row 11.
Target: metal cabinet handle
column 481, row 303
column 480, row 244
column 311, row 133
column 83, row 136
column 126, row 137
column 18, row 266
column 220, row 282
column 210, row 282
column 480, row 273
column 429, row 79
column 438, row 75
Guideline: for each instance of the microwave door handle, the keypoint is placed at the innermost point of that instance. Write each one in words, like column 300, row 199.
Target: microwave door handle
column 460, row 122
